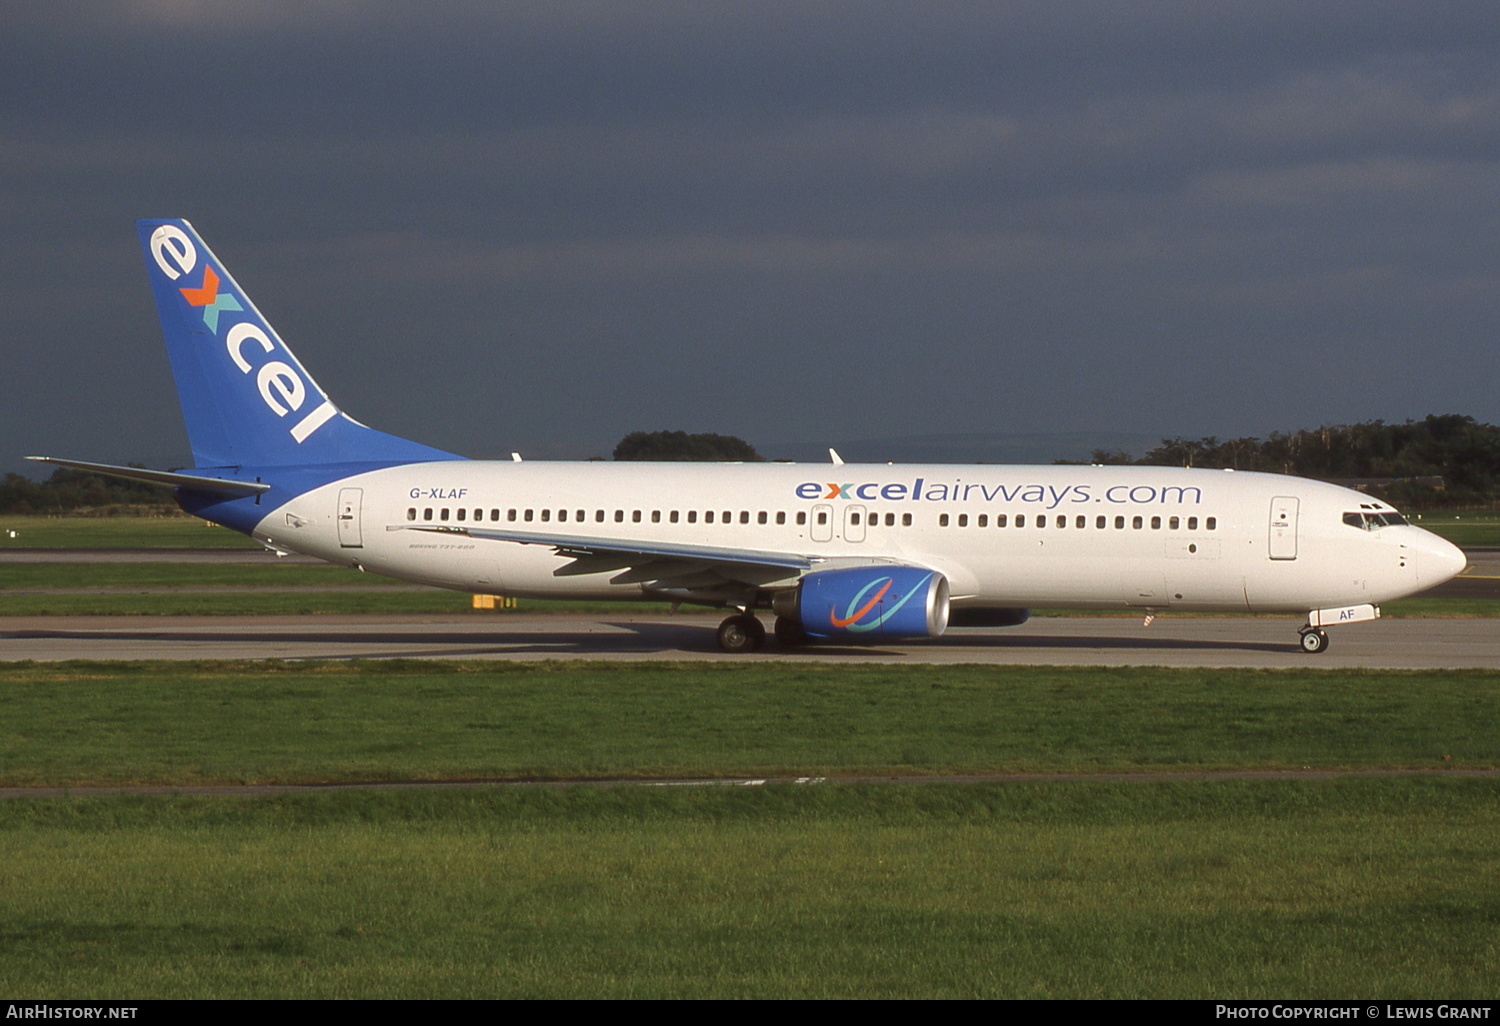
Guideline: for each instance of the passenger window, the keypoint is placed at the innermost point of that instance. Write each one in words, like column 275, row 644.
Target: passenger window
column 1041, row 520
column 1000, row 519
column 1212, row 523
column 583, row 515
column 1100, row 523
column 463, row 514
column 619, row 516
column 528, row 516
column 656, row 516
column 1081, row 523
column 1173, row 524
column 427, row 514
column 546, row 515
column 822, row 517
column 943, row 520
column 963, row 520
column 1192, row 523
column 983, row 520
column 801, row 518
column 708, row 517
column 1156, row 523
column 495, row 515
column 1136, row 523
column 562, row 516
column 598, row 516
column 1020, row 519
column 780, row 517
column 744, row 516
column 761, row 518
column 692, row 516
column 1062, row 521
column 1119, row 523
column 854, row 519
column 411, row 514
column 635, row 516
column 890, row 520
column 443, row 513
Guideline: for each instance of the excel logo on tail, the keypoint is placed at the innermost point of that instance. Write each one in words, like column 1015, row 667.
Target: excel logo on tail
column 282, row 386
column 210, row 299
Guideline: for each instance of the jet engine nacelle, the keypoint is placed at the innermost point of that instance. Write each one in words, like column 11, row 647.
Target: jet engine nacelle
column 869, row 603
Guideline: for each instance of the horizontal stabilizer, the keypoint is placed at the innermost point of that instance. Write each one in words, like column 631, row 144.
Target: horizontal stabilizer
column 168, row 478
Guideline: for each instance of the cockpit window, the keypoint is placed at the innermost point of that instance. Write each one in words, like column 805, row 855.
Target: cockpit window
column 1373, row 521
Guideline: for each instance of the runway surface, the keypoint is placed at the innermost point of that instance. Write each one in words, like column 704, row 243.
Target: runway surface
column 1077, row 641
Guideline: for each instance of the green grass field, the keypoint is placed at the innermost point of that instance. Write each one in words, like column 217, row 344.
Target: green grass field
column 270, row 722
column 1465, row 528
column 1366, row 890
column 1358, row 887
column 178, row 531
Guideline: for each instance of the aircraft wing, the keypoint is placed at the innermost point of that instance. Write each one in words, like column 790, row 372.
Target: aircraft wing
column 664, row 564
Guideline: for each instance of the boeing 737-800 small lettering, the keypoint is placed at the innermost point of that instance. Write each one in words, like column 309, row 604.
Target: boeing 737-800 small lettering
column 885, row 553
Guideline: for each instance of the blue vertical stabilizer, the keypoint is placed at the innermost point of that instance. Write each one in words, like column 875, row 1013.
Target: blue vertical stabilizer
column 246, row 399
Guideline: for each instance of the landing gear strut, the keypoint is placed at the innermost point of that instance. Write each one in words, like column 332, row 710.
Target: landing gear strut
column 1314, row 640
column 741, row 633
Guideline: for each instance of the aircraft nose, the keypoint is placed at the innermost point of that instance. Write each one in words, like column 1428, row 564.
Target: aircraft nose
column 1440, row 560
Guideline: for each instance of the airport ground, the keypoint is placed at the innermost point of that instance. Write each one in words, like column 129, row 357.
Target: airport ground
column 435, row 624
column 1131, row 873
column 1268, row 642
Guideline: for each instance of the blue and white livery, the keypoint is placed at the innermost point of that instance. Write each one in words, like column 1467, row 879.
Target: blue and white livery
column 843, row 551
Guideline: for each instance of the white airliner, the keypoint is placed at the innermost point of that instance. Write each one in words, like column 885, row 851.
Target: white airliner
column 837, row 551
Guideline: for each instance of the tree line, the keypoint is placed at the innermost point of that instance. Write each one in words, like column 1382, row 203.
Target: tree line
column 68, row 490
column 1441, row 460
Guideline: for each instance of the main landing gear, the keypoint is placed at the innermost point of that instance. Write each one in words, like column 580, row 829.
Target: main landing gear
column 742, row 633
column 1314, row 640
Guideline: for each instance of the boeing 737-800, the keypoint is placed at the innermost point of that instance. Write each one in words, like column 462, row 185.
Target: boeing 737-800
column 843, row 551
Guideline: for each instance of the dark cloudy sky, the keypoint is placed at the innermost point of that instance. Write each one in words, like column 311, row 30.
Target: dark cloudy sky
column 499, row 224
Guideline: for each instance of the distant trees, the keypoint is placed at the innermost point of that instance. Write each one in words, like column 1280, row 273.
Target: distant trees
column 681, row 446
column 1405, row 459
column 69, row 489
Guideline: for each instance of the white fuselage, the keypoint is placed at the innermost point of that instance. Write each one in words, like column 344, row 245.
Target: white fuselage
column 1004, row 536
